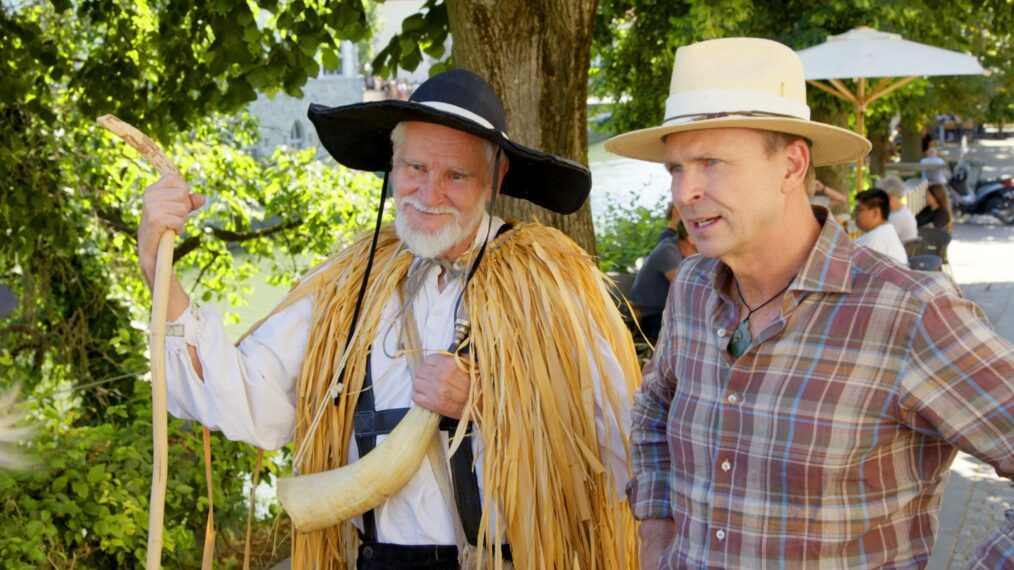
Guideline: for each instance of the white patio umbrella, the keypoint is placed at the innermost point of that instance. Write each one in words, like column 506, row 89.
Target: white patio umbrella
column 864, row 53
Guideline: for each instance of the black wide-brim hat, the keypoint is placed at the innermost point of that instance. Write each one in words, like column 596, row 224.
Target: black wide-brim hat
column 359, row 136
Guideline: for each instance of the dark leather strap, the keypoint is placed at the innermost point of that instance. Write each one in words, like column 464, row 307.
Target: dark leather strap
column 383, row 422
column 382, row 556
column 466, row 490
column 365, row 410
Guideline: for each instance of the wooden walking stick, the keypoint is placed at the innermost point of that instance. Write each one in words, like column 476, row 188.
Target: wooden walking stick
column 160, row 306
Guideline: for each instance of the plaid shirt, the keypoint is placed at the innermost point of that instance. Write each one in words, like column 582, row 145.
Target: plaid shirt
column 828, row 443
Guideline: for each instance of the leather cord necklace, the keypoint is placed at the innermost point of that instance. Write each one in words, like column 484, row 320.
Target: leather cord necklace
column 741, row 339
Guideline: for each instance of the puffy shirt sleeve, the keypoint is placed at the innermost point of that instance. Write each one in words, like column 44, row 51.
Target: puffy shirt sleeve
column 248, row 391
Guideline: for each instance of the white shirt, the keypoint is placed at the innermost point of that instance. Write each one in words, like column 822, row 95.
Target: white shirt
column 884, row 239
column 249, row 392
column 904, row 224
column 935, row 176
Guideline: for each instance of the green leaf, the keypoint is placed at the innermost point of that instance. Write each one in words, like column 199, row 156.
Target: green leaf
column 330, row 59
column 96, row 473
column 81, row 488
column 413, row 23
column 260, row 77
column 59, row 484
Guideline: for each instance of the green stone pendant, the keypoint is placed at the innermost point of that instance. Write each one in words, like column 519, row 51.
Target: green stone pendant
column 740, row 340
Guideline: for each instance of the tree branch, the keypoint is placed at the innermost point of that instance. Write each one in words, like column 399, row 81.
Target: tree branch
column 193, row 242
column 235, row 237
column 115, row 222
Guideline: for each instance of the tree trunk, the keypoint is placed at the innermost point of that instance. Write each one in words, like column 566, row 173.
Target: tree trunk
column 911, row 140
column 879, row 137
column 535, row 54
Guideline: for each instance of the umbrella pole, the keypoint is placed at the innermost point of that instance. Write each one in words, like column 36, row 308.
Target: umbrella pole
column 860, row 128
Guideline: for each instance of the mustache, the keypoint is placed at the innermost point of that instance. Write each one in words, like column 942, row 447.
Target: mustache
column 415, row 203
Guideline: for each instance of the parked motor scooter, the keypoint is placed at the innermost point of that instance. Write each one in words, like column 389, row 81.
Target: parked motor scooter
column 970, row 195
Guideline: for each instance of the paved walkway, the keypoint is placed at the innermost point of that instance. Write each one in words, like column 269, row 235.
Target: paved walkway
column 982, row 260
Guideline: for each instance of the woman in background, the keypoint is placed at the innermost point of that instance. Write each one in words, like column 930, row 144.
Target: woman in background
column 938, row 209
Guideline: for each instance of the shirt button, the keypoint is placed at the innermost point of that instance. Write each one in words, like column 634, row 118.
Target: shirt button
column 720, row 534
column 733, row 398
column 726, row 465
column 721, row 332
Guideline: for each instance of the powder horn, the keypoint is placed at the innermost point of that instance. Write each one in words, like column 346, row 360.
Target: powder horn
column 322, row 500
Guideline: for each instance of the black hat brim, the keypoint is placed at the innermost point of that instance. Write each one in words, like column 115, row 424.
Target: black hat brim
column 358, row 136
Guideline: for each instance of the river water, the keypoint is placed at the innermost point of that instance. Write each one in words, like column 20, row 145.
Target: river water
column 616, row 179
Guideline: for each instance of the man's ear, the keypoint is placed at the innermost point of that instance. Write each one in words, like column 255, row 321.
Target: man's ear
column 504, row 164
column 797, row 161
column 503, row 172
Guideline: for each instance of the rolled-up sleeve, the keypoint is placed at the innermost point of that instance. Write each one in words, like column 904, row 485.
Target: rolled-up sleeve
column 248, row 392
column 960, row 387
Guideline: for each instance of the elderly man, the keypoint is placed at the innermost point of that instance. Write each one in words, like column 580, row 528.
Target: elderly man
column 546, row 375
column 807, row 396
column 879, row 235
column 900, row 217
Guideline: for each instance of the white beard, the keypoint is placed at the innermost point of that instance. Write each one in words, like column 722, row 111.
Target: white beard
column 433, row 244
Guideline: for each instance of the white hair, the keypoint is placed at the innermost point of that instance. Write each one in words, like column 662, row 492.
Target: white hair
column 893, row 185
column 434, row 244
column 489, row 148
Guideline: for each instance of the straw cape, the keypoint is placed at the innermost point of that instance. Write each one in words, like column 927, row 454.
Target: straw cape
column 746, row 83
column 542, row 468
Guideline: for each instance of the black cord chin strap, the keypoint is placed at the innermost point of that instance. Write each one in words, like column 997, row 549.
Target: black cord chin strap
column 489, row 227
column 366, row 274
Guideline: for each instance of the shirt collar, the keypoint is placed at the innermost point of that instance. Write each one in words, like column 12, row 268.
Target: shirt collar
column 828, row 268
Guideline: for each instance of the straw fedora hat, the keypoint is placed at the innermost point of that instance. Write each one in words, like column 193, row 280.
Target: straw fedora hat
column 747, row 83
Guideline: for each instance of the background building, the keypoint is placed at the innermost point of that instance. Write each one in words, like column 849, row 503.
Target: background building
column 283, row 118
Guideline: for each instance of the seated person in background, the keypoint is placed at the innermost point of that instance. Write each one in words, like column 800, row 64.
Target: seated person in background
column 671, row 220
column 939, row 173
column 871, row 216
column 901, row 217
column 651, row 285
column 836, row 197
column 938, row 209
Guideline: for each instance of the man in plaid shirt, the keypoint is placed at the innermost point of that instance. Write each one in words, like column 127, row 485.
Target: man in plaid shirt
column 807, row 395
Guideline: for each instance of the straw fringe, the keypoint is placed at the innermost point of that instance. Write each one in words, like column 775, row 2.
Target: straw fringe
column 534, row 409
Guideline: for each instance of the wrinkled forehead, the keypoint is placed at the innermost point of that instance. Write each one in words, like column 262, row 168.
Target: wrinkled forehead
column 441, row 146
column 699, row 141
